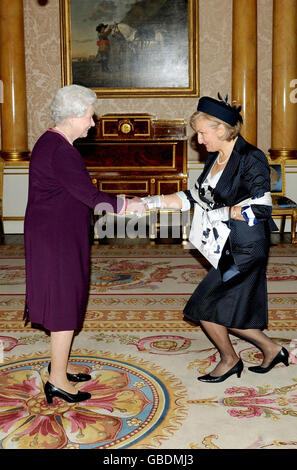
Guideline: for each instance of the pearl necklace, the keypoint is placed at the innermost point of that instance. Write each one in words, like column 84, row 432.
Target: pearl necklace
column 59, row 130
column 224, row 161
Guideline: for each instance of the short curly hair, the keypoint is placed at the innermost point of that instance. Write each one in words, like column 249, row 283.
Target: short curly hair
column 71, row 101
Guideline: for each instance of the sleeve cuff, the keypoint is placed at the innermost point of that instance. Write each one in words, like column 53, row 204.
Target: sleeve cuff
column 186, row 205
column 249, row 216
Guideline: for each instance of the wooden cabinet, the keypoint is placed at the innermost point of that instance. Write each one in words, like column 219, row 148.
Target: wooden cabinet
column 136, row 154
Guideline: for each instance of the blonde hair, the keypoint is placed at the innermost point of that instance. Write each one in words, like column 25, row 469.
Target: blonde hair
column 231, row 132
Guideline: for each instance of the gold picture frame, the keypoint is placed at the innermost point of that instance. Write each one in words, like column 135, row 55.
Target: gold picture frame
column 277, row 177
column 126, row 50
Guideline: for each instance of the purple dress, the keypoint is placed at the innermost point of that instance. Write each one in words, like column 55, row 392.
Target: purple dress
column 56, row 234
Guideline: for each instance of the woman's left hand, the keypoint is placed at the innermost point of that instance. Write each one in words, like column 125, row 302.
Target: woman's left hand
column 236, row 213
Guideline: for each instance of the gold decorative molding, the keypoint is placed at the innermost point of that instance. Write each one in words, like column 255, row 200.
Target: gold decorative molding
column 13, row 219
column 171, row 181
column 106, row 185
column 283, row 154
column 14, row 156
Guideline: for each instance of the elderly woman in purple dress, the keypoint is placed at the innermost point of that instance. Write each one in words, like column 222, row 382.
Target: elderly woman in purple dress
column 57, row 224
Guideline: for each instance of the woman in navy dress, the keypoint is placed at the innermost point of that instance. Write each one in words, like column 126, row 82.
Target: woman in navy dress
column 56, row 230
column 232, row 223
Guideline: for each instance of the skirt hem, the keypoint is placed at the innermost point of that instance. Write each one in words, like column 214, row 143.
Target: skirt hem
column 253, row 327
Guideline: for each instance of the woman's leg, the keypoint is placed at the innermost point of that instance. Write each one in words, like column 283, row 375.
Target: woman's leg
column 60, row 348
column 218, row 334
column 268, row 347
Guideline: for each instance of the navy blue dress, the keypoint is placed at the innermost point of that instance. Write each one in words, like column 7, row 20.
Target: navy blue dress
column 240, row 302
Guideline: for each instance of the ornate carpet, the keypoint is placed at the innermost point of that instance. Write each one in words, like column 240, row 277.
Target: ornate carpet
column 144, row 360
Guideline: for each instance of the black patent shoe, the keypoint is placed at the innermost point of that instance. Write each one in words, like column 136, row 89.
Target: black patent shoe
column 51, row 391
column 74, row 377
column 237, row 369
column 282, row 356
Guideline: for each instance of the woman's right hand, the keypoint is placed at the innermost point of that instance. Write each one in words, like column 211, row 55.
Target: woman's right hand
column 136, row 206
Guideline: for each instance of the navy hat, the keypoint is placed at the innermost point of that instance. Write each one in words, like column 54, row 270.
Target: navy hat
column 220, row 109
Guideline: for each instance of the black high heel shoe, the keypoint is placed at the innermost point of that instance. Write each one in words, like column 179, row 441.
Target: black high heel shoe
column 74, row 377
column 237, row 369
column 51, row 391
column 282, row 356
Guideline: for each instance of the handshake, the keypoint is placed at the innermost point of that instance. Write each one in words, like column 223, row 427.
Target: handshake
column 140, row 205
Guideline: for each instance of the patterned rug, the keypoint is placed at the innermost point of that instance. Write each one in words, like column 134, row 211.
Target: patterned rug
column 144, row 360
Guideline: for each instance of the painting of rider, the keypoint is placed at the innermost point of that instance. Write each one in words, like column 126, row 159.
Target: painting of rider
column 131, row 46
